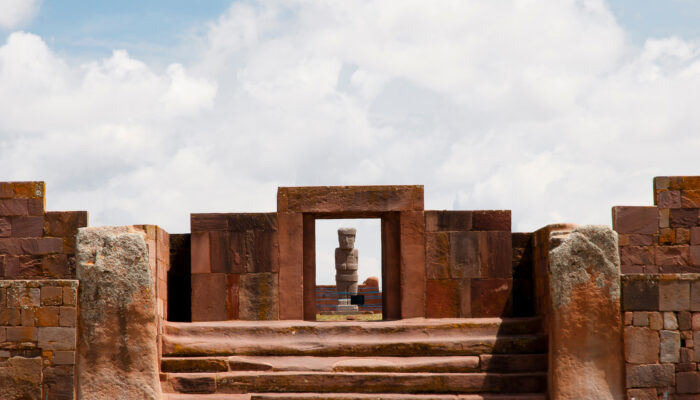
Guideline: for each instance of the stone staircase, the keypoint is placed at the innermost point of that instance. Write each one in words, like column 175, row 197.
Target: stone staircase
column 469, row 359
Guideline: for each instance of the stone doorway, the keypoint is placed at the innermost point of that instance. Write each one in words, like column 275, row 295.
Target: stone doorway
column 400, row 209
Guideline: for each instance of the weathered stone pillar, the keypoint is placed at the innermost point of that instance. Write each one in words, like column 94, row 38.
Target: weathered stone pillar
column 585, row 329
column 117, row 346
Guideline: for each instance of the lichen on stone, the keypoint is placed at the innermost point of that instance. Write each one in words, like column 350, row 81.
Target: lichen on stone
column 587, row 250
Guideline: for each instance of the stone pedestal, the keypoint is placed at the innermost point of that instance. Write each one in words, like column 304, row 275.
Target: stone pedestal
column 585, row 328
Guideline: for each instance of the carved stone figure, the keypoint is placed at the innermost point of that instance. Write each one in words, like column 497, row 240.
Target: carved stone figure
column 346, row 268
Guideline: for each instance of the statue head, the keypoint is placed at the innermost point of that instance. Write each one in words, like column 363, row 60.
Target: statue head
column 346, row 237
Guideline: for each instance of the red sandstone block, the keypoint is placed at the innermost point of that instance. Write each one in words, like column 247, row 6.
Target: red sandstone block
column 465, row 302
column 437, row 255
column 362, row 200
column 641, row 345
column 442, row 299
column 689, row 199
column 10, row 266
column 491, row 297
column 70, row 296
column 5, row 227
column 497, row 255
column 10, row 316
column 65, row 224
column 208, row 222
column 55, row 266
column 28, row 315
column 200, row 253
column 664, row 217
column 661, row 182
column 688, row 382
column 21, row 334
column 29, row 267
column 264, row 252
column 290, row 230
column 67, row 316
column 650, row 375
column 642, row 220
column 637, row 255
column 41, row 246
column 682, row 236
column 246, row 222
column 672, row 255
column 28, row 190
column 683, row 217
column 674, row 295
column 667, row 236
column 6, row 190
column 13, row 207
column 27, row 226
column 208, row 297
column 695, row 235
column 694, row 255
column 465, row 254
column 639, row 240
column 448, row 221
column 47, row 316
column 412, row 247
column 686, row 356
column 218, row 251
column 11, row 246
column 51, row 295
column 684, row 182
column 684, row 321
column 623, row 239
column 56, row 338
column 491, row 220
column 64, row 357
column 668, row 199
column 232, row 283
column 36, row 207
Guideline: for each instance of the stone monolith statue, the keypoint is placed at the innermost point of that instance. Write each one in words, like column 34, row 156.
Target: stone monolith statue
column 346, row 268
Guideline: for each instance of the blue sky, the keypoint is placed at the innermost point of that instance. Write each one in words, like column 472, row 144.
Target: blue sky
column 144, row 112
column 156, row 30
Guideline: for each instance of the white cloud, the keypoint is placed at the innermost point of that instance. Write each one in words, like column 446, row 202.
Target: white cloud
column 536, row 106
column 17, row 12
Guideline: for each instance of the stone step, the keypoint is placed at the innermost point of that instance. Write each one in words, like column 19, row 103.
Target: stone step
column 351, row 396
column 385, row 345
column 407, row 327
column 356, row 382
column 484, row 362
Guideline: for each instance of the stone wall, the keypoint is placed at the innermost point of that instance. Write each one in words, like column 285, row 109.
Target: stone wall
column 158, row 245
column 235, row 266
column 34, row 243
column 37, row 325
column 662, row 328
column 469, row 264
column 664, row 238
column 38, row 299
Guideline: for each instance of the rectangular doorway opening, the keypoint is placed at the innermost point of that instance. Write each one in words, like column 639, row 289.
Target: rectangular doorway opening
column 338, row 296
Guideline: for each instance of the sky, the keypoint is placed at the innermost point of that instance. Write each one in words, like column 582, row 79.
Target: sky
column 145, row 112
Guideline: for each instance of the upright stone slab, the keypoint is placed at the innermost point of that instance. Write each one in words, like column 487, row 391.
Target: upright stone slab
column 117, row 350
column 585, row 331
